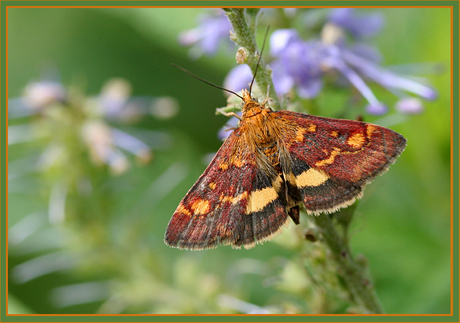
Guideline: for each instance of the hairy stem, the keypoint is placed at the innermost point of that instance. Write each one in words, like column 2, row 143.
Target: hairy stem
column 359, row 286
column 244, row 36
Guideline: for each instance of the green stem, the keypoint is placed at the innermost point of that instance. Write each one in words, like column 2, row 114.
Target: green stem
column 359, row 286
column 244, row 36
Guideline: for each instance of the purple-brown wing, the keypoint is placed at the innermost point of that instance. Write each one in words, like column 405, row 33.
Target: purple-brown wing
column 333, row 159
column 232, row 202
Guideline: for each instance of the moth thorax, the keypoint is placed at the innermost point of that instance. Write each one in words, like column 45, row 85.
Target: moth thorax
column 251, row 108
column 262, row 130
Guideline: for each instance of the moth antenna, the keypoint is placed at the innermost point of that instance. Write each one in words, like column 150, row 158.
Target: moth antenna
column 207, row 82
column 258, row 62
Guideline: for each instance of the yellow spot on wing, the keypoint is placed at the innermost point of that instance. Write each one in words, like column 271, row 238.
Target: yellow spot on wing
column 200, row 207
column 370, row 129
column 260, row 199
column 334, row 133
column 300, row 133
column 357, row 140
column 290, row 178
column 311, row 178
column 182, row 210
column 277, row 183
column 311, row 127
column 235, row 199
column 212, row 186
column 329, row 160
column 223, row 166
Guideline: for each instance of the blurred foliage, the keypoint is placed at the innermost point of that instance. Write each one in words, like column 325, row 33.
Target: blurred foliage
column 109, row 257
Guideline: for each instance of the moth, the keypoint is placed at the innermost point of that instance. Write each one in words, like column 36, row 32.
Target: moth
column 270, row 165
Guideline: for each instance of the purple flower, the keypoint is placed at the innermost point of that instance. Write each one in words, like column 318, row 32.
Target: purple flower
column 214, row 29
column 238, row 78
column 114, row 96
column 38, row 95
column 334, row 60
column 107, row 145
column 116, row 103
column 386, row 78
column 366, row 52
column 359, row 26
column 227, row 129
column 302, row 64
column 282, row 38
column 298, row 63
column 409, row 105
column 376, row 108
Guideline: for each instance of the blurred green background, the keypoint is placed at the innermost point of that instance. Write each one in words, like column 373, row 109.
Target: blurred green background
column 122, row 265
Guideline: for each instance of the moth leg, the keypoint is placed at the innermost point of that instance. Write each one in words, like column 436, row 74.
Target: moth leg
column 268, row 96
column 294, row 213
column 228, row 114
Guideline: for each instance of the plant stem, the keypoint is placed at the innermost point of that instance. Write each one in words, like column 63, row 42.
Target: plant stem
column 359, row 286
column 244, row 37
